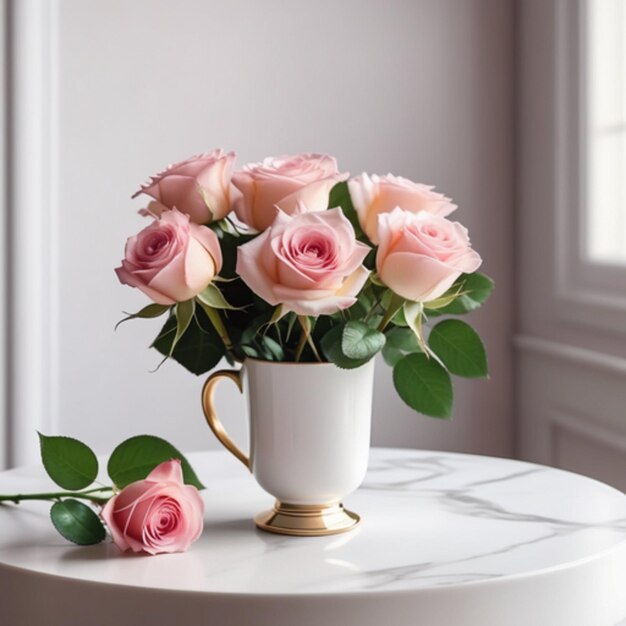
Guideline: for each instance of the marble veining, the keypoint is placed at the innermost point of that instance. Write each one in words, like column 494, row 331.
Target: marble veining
column 430, row 520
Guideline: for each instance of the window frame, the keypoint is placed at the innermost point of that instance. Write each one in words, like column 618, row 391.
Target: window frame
column 590, row 292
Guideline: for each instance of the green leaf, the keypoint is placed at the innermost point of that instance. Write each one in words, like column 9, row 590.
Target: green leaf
column 213, row 297
column 136, row 457
column 70, row 463
column 460, row 348
column 331, row 347
column 359, row 341
column 340, row 197
column 443, row 301
column 77, row 522
column 272, row 349
column 250, row 351
column 424, row 385
column 399, row 318
column 400, row 342
column 199, row 350
column 278, row 313
column 413, row 314
column 152, row 310
column 475, row 289
column 184, row 315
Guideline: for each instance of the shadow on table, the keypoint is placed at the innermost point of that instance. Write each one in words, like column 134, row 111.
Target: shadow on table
column 219, row 530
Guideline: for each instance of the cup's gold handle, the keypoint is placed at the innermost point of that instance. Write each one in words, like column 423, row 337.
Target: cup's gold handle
column 210, row 413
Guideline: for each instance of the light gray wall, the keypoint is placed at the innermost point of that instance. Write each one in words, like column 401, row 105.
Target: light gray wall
column 421, row 88
column 570, row 335
column 4, row 434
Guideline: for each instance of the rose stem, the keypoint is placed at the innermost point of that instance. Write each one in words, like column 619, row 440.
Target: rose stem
column 83, row 495
column 216, row 320
column 369, row 314
column 306, row 329
column 395, row 304
column 313, row 348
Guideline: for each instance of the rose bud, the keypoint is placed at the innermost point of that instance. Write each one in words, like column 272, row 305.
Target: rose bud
column 156, row 515
column 284, row 181
column 172, row 259
column 373, row 195
column 198, row 186
column 311, row 263
column 421, row 255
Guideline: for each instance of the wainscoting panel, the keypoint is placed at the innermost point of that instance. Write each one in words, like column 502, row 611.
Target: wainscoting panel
column 572, row 409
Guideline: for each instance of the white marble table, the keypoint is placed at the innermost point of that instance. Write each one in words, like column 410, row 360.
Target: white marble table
column 446, row 540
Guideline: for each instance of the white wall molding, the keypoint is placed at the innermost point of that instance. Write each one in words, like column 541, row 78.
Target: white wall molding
column 571, row 408
column 583, row 426
column 573, row 354
column 32, row 309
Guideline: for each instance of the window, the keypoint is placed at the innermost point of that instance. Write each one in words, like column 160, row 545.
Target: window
column 604, row 131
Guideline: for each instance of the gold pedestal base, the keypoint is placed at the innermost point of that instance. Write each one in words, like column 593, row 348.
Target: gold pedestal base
column 304, row 520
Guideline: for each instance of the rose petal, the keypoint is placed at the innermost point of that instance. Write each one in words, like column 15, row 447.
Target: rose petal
column 167, row 472
column 313, row 196
column 127, row 278
column 117, row 535
column 199, row 267
column 326, row 306
column 417, row 277
column 251, row 271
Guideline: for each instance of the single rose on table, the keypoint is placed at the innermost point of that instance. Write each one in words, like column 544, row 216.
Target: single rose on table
column 172, row 259
column 310, row 263
column 374, row 195
column 157, row 515
column 198, row 186
column 284, row 182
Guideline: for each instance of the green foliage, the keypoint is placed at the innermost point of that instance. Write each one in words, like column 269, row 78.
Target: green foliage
column 400, row 342
column 150, row 311
column 460, row 348
column 259, row 345
column 198, row 350
column 399, row 319
column 424, row 385
column 360, row 341
column 136, row 457
column 340, row 197
column 69, row 462
column 184, row 312
column 379, row 320
column 474, row 289
column 213, row 297
column 331, row 348
column 414, row 316
column 256, row 341
column 77, row 522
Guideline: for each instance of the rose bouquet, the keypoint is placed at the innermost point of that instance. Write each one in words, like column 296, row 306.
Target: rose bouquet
column 291, row 260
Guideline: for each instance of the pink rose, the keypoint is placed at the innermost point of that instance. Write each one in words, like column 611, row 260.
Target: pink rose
column 284, row 181
column 156, row 515
column 172, row 260
column 198, row 186
column 373, row 195
column 420, row 255
column 310, row 263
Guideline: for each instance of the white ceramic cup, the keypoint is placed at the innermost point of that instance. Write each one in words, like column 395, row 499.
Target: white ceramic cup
column 309, row 432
